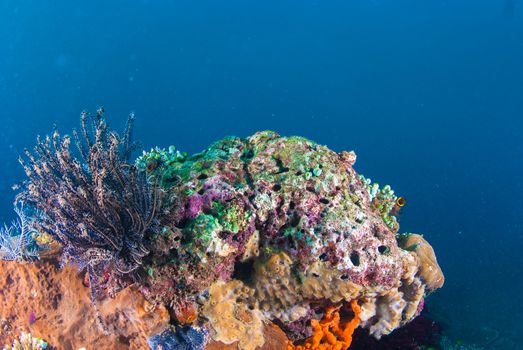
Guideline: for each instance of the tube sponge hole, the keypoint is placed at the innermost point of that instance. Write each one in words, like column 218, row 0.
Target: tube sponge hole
column 355, row 258
column 383, row 249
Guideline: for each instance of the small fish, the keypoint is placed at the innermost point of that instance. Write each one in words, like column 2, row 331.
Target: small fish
column 400, row 203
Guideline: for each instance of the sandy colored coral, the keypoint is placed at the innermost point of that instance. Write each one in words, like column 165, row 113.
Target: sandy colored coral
column 389, row 308
column 230, row 317
column 275, row 339
column 287, row 297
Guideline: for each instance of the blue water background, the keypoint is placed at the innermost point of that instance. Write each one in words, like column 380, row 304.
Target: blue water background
column 428, row 93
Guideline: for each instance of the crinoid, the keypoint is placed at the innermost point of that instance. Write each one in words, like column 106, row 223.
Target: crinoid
column 97, row 207
column 16, row 241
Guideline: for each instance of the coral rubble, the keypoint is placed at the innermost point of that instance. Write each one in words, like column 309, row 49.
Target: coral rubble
column 248, row 233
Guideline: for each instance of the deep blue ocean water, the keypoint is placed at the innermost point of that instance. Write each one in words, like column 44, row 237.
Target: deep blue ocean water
column 428, row 93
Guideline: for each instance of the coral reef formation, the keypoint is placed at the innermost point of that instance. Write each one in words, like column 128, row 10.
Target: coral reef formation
column 248, row 233
column 230, row 317
column 296, row 224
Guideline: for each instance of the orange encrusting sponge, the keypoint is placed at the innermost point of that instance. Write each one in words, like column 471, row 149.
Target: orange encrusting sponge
column 328, row 333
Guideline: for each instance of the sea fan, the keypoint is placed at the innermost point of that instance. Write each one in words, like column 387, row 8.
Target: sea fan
column 97, row 207
column 16, row 241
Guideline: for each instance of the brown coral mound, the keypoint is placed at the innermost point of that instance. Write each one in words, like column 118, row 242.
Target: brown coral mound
column 53, row 304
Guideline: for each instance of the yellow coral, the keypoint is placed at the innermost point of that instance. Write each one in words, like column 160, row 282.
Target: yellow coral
column 328, row 333
column 231, row 318
column 281, row 295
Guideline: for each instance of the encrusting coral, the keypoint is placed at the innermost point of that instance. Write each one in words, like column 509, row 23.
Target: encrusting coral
column 230, row 317
column 248, row 232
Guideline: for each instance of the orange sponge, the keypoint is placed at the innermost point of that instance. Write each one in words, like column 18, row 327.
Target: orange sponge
column 329, row 333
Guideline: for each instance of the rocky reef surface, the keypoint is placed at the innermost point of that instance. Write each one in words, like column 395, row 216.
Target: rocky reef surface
column 265, row 242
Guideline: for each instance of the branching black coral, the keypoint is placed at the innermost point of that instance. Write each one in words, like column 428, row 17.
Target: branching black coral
column 98, row 207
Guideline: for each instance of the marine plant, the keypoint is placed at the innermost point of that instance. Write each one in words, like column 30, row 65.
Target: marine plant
column 16, row 240
column 98, row 206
